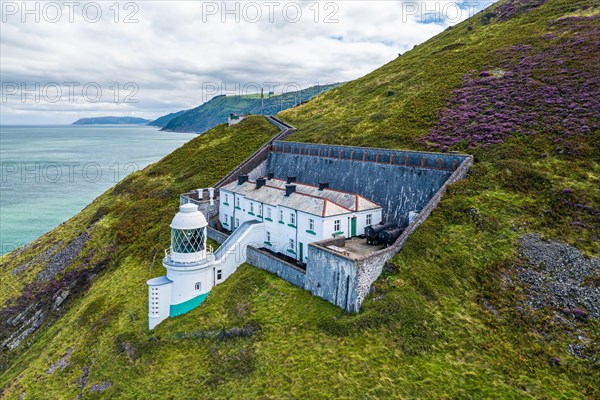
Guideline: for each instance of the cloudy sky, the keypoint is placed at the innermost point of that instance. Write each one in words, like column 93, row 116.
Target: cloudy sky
column 60, row 61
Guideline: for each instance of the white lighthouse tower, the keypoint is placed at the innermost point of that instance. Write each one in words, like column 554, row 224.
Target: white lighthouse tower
column 190, row 268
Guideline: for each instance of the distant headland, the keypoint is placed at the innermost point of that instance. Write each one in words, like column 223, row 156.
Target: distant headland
column 111, row 121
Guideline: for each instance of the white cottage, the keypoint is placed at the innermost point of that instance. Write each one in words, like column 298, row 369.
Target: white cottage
column 295, row 214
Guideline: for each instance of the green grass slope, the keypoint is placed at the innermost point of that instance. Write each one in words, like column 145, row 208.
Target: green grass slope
column 449, row 321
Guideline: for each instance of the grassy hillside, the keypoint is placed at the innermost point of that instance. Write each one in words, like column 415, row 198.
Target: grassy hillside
column 165, row 119
column 216, row 110
column 452, row 319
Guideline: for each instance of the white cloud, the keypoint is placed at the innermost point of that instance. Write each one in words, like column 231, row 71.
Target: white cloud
column 175, row 48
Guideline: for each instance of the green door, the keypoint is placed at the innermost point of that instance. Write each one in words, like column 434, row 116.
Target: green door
column 301, row 251
column 353, row 227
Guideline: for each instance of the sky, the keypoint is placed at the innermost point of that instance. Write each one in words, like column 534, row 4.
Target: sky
column 65, row 60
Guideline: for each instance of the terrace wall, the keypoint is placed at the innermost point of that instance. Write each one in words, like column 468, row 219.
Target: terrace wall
column 400, row 181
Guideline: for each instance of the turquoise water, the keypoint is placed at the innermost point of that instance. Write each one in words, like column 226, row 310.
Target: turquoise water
column 50, row 173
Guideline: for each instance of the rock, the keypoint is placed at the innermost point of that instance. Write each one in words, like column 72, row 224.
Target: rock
column 82, row 380
column 62, row 363
column 60, row 298
column 100, row 387
column 63, row 258
column 26, row 328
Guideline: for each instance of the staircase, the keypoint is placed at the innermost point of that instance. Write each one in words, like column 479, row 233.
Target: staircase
column 232, row 251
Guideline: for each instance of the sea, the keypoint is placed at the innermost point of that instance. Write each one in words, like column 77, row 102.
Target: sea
column 50, row 173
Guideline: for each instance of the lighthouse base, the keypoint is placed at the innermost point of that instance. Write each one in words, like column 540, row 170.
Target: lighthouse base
column 182, row 308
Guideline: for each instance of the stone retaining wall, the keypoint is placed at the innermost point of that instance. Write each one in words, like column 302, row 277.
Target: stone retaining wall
column 267, row 261
column 400, row 181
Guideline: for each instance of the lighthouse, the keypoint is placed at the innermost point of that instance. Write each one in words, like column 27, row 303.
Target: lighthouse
column 190, row 267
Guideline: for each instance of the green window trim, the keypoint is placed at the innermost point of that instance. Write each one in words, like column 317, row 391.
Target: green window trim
column 292, row 225
column 259, row 216
column 268, row 243
column 281, row 222
column 291, row 251
column 238, row 208
column 338, row 233
column 311, row 232
column 251, row 213
column 268, row 219
column 225, row 224
column 225, row 203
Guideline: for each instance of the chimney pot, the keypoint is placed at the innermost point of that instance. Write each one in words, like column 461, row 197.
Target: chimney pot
column 323, row 185
column 260, row 182
column 270, row 175
column 291, row 179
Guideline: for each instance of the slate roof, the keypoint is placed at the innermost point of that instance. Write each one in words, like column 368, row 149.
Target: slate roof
column 306, row 198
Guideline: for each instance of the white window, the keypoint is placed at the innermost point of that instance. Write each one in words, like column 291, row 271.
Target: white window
column 226, row 198
column 311, row 224
column 237, row 222
column 291, row 244
column 219, row 274
column 369, row 219
column 197, row 286
column 251, row 207
column 237, row 201
column 225, row 217
column 337, row 225
column 269, row 212
column 292, row 218
column 268, row 236
column 260, row 209
column 281, row 215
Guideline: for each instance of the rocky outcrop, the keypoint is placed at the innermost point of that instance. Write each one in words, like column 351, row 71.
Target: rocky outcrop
column 63, row 258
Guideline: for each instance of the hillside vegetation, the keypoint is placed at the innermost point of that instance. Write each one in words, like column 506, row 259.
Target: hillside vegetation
column 452, row 317
column 216, row 110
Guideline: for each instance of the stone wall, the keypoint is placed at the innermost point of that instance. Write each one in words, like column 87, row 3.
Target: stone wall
column 216, row 235
column 267, row 261
column 332, row 276
column 400, row 181
column 325, row 263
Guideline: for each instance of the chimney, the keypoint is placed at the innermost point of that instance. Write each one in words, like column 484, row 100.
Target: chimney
column 323, row 185
column 291, row 179
column 242, row 179
column 289, row 189
column 260, row 182
column 211, row 196
column 270, row 175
